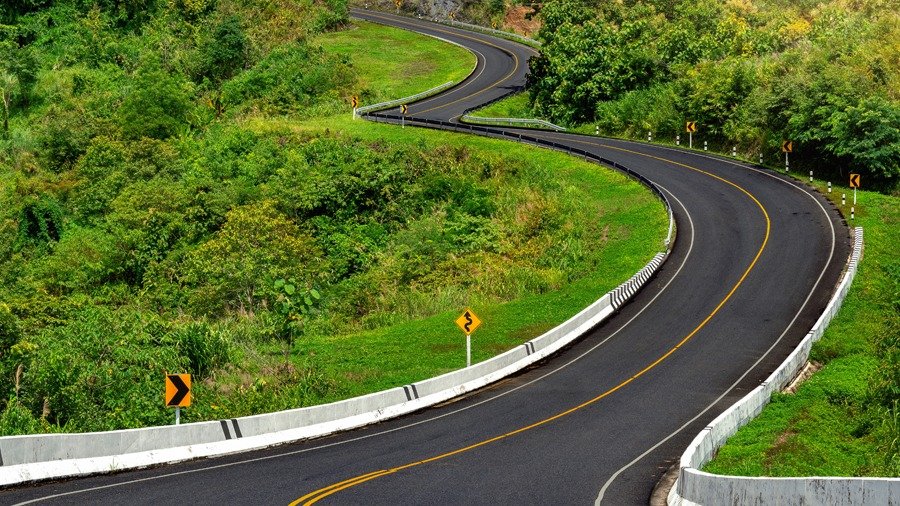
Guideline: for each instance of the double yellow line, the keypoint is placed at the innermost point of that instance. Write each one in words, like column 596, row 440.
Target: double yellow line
column 322, row 493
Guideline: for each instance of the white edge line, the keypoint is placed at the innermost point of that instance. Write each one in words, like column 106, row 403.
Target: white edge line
column 764, row 355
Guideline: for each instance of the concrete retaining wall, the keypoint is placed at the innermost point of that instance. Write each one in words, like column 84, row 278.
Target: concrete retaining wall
column 697, row 487
column 39, row 457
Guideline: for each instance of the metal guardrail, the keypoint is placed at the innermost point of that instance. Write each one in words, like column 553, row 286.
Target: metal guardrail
column 512, row 122
column 490, row 31
column 400, row 101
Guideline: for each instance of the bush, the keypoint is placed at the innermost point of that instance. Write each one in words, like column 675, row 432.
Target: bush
column 158, row 104
column 102, row 370
column 10, row 332
column 255, row 246
column 224, row 52
column 204, row 347
column 291, row 78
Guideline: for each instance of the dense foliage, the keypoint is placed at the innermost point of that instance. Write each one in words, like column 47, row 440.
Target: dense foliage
column 147, row 225
column 823, row 73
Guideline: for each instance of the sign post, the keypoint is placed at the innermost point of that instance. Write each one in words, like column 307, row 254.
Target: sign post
column 403, row 110
column 468, row 322
column 787, row 147
column 691, row 127
column 854, row 183
column 354, row 102
column 178, row 393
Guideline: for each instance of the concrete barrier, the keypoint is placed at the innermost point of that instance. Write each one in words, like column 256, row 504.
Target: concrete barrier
column 47, row 456
column 694, row 486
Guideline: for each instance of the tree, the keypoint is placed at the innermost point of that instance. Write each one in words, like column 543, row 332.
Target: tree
column 157, row 106
column 256, row 245
column 225, row 52
column 9, row 85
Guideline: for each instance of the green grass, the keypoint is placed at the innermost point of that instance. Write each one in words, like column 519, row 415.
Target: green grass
column 514, row 106
column 830, row 426
column 396, row 63
column 632, row 225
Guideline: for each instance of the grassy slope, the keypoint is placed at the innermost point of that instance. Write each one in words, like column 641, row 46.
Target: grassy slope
column 382, row 358
column 822, row 430
column 397, row 355
column 387, row 73
column 514, row 106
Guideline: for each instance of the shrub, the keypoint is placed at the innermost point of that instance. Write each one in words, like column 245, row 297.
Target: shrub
column 291, row 78
column 204, row 347
column 256, row 245
column 224, row 52
column 102, row 370
column 157, row 105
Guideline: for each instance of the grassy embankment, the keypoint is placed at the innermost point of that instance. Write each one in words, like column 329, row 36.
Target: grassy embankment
column 834, row 425
column 386, row 71
column 628, row 221
column 132, row 248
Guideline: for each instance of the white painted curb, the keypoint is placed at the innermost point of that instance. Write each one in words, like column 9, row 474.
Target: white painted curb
column 40, row 457
column 695, row 487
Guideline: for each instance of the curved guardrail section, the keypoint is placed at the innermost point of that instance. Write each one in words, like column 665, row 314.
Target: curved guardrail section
column 50, row 456
column 405, row 100
column 694, row 486
column 516, row 122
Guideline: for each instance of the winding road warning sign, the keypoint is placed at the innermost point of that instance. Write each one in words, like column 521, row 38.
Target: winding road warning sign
column 468, row 322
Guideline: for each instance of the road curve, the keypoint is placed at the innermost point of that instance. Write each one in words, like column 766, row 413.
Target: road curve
column 755, row 261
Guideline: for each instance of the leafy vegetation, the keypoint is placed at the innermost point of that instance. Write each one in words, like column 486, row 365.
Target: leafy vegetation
column 844, row 420
column 823, row 73
column 182, row 189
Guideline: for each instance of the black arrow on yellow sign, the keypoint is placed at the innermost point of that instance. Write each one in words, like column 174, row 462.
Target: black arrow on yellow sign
column 178, row 390
column 787, row 147
column 854, row 180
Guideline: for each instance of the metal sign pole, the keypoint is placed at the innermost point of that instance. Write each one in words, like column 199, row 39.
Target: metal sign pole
column 854, row 196
column 178, row 415
column 468, row 350
column 691, row 140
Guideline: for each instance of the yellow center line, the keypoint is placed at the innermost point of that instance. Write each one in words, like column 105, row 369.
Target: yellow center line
column 322, row 493
column 455, row 34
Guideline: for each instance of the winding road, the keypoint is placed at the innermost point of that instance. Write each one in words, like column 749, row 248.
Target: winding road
column 755, row 261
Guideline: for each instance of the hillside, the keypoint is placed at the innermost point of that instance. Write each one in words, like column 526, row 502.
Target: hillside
column 183, row 190
column 752, row 73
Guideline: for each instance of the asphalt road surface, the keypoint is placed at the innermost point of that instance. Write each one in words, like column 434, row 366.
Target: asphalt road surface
column 755, row 261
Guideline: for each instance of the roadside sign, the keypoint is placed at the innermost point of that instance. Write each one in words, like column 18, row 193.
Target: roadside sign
column 178, row 390
column 787, row 146
column 854, row 181
column 468, row 322
column 404, row 108
column 354, row 101
column 690, row 127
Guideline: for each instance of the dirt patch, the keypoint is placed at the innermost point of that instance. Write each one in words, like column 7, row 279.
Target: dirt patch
column 786, row 443
column 516, row 20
